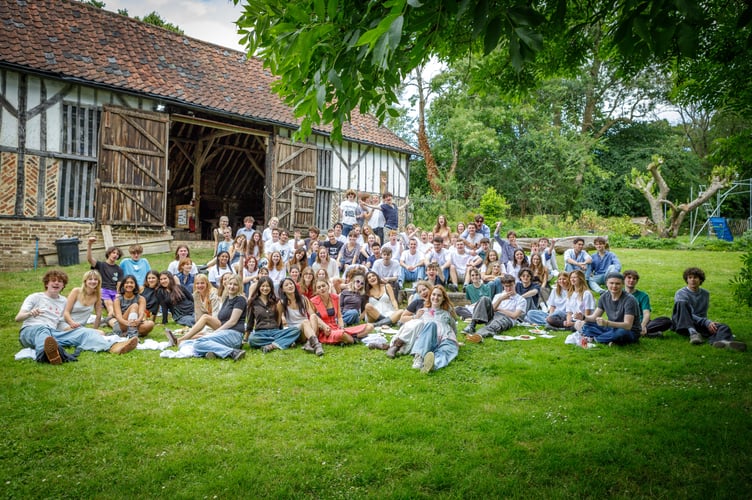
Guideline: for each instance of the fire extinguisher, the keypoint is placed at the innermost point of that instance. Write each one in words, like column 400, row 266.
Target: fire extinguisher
column 192, row 217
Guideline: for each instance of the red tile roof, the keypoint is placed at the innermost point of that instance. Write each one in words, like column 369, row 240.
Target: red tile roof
column 70, row 40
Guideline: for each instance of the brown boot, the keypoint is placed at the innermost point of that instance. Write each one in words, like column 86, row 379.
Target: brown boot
column 391, row 353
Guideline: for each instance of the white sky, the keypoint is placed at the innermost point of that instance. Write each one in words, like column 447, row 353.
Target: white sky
column 208, row 20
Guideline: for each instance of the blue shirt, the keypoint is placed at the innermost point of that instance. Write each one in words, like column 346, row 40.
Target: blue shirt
column 137, row 268
column 601, row 264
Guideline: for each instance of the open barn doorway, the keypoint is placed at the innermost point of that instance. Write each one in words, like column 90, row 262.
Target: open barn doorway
column 216, row 169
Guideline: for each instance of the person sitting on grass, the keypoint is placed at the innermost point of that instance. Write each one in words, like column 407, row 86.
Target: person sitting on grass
column 135, row 265
column 649, row 327
column 604, row 262
column 620, row 326
column 299, row 313
column 176, row 300
column 382, row 308
column 40, row 314
column 412, row 264
column 353, row 300
column 499, row 314
column 331, row 327
column 519, row 261
column 416, row 301
column 220, row 268
column 130, row 311
column 436, row 345
column 388, row 269
column 473, row 292
column 402, row 342
column 181, row 252
column 580, row 302
column 557, row 305
column 459, row 262
column 184, row 277
column 528, row 290
column 576, row 258
column 226, row 341
column 206, row 300
column 82, row 302
column 149, row 293
column 690, row 315
column 434, row 275
column 110, row 272
column 264, row 323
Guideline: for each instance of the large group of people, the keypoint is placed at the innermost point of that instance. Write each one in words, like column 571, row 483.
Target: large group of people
column 270, row 290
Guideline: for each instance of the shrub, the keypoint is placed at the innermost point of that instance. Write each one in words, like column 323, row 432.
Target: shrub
column 494, row 206
column 741, row 284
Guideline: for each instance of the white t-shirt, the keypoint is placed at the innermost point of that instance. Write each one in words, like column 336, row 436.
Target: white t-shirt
column 349, row 212
column 51, row 310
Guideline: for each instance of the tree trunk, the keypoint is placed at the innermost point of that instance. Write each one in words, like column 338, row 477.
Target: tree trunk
column 432, row 170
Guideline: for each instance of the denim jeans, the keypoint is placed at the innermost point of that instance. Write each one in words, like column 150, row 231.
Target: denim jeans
column 595, row 280
column 444, row 352
column 604, row 335
column 87, row 339
column 351, row 317
column 221, row 343
column 281, row 338
column 412, row 276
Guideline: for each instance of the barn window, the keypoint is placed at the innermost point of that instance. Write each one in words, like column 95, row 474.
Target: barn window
column 80, row 133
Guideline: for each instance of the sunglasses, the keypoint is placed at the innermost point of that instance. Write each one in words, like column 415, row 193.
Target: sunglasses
column 358, row 282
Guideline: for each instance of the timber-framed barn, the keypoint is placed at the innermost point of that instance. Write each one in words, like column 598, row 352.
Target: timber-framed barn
column 108, row 123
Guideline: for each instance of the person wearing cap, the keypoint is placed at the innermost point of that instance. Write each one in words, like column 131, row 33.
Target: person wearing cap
column 621, row 324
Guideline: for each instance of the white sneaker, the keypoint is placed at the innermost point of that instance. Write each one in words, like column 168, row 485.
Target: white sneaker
column 417, row 362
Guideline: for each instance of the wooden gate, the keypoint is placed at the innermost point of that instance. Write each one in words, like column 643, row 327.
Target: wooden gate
column 294, row 181
column 132, row 176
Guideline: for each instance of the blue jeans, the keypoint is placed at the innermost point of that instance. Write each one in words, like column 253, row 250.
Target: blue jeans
column 351, row 317
column 221, row 343
column 87, row 339
column 569, row 268
column 346, row 228
column 281, row 338
column 595, row 280
column 413, row 276
column 444, row 352
column 536, row 317
column 604, row 335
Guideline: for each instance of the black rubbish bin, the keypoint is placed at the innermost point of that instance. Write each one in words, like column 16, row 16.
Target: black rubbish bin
column 67, row 251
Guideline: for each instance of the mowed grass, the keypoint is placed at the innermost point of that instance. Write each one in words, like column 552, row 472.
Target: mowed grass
column 535, row 419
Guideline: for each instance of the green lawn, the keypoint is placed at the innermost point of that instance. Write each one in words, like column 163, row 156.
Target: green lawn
column 540, row 419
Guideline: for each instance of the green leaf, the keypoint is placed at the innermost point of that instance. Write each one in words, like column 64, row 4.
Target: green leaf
column 414, row 3
column 395, row 32
column 493, row 33
column 530, row 38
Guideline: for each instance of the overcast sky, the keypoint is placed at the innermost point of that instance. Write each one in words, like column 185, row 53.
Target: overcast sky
column 208, row 20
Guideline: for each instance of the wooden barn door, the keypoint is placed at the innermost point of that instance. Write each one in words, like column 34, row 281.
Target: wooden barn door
column 132, row 176
column 294, row 181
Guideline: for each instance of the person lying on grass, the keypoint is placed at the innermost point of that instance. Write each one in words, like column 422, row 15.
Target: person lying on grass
column 42, row 312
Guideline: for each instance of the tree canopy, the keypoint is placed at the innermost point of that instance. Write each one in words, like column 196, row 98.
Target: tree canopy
column 334, row 56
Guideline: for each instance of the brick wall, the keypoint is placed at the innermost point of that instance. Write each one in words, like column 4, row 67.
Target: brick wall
column 17, row 244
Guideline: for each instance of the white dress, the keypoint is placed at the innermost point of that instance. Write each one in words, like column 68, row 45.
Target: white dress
column 383, row 304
